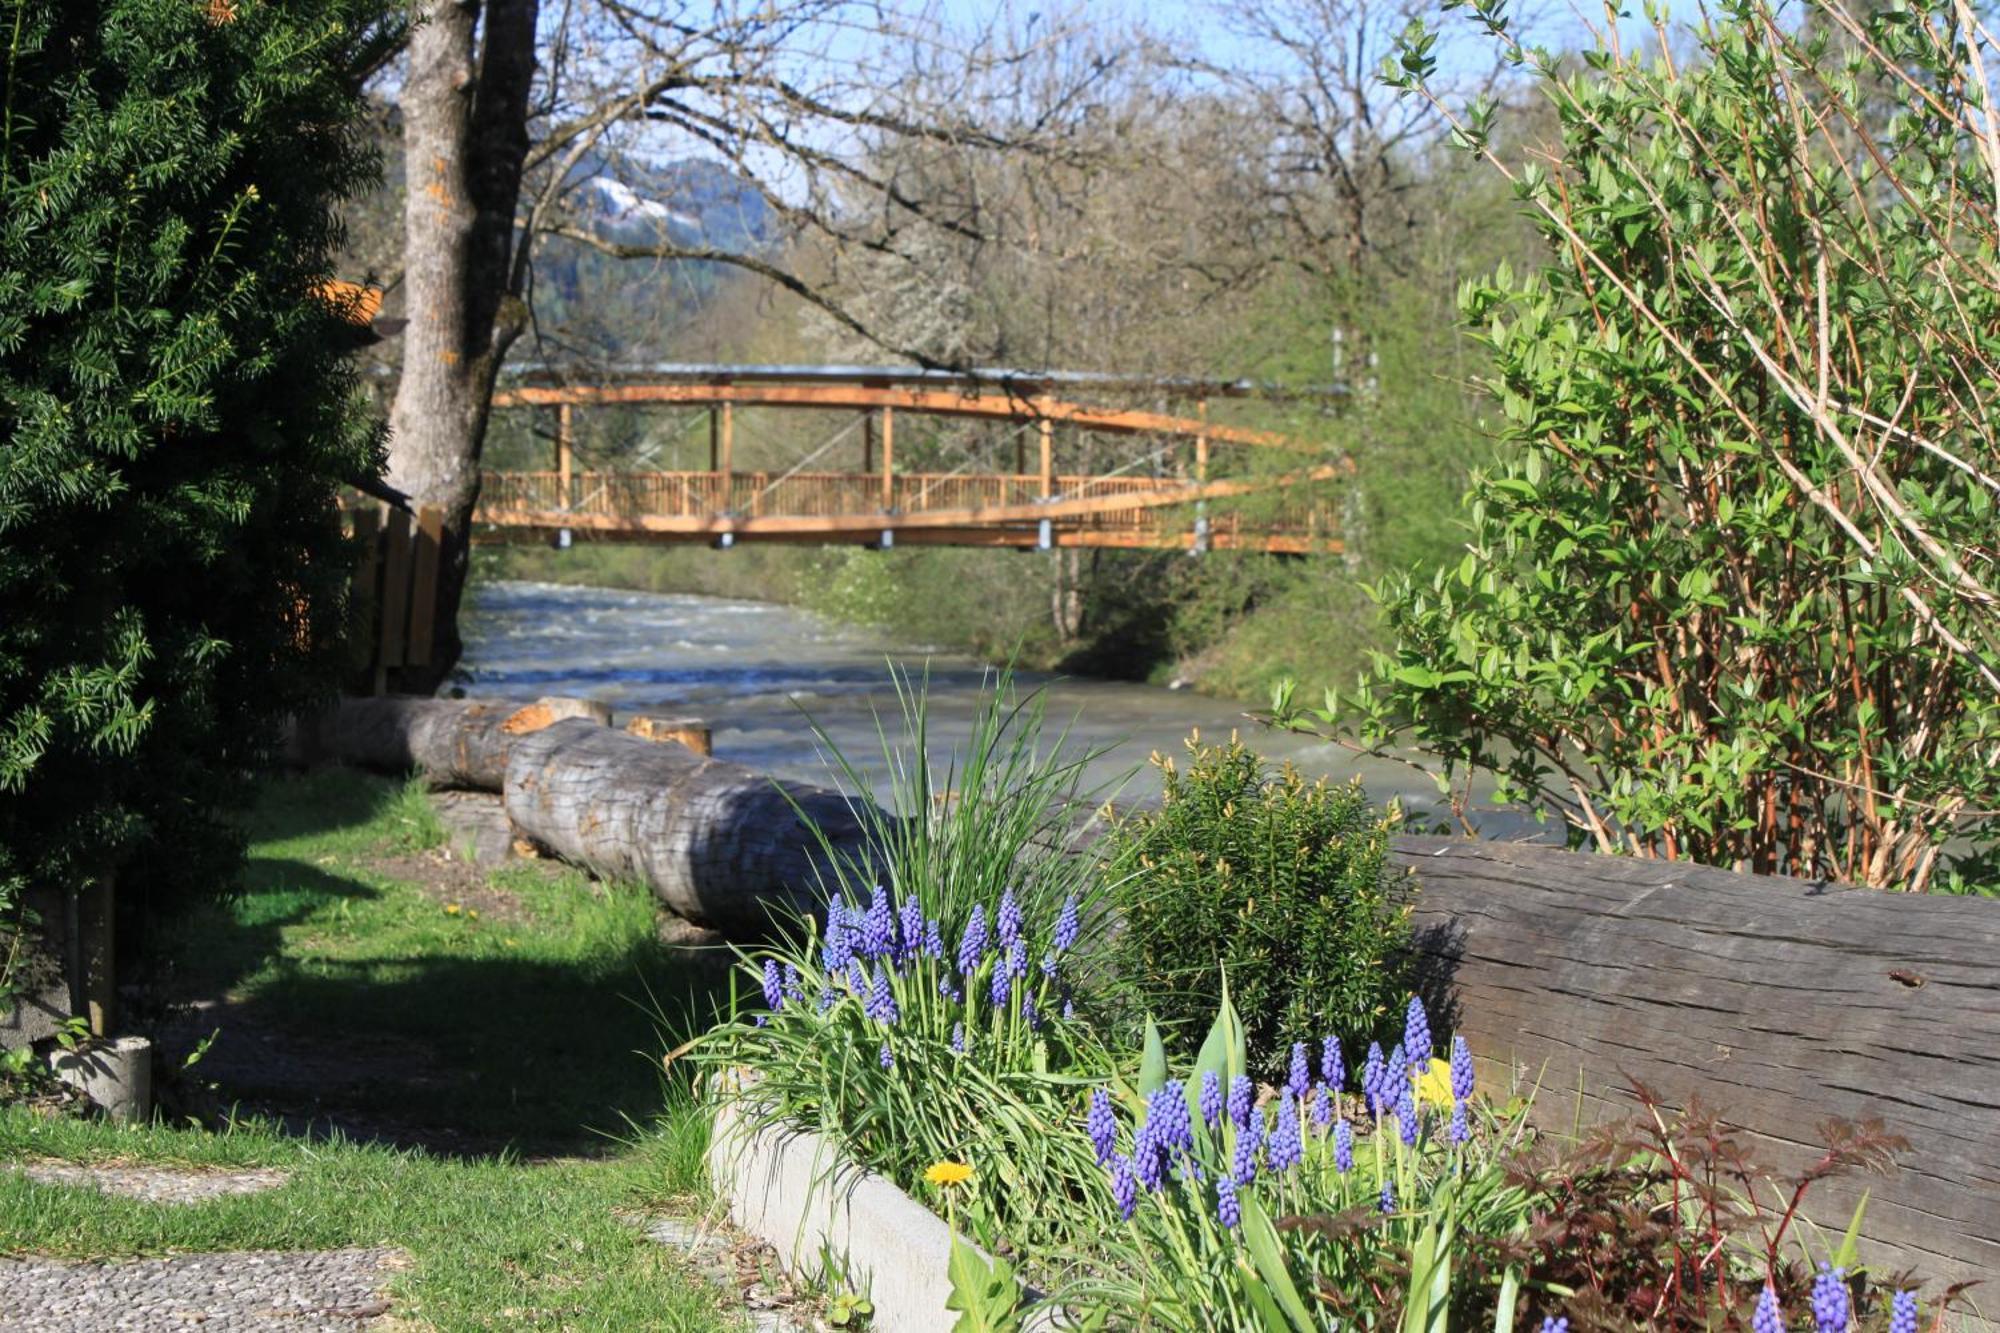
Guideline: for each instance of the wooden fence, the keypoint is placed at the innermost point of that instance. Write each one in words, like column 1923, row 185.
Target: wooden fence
column 395, row 590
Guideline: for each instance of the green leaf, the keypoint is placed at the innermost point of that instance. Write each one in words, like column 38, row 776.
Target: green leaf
column 1850, row 1243
column 1261, row 1239
column 1153, row 1063
column 985, row 1295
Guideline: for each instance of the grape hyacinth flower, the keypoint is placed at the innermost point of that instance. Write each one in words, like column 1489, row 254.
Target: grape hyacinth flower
column 912, row 932
column 1243, row 1158
column 1211, row 1097
column 838, row 950
column 826, row 998
column 878, row 927
column 1002, row 988
column 761, row 1020
column 1227, row 1210
column 1149, row 1156
column 1832, row 1307
column 1242, row 1098
column 1008, row 921
column 1049, row 966
column 1323, row 1107
column 1461, row 1070
column 1017, row 959
column 1768, row 1318
column 1903, row 1313
column 774, row 985
column 1395, row 1082
column 1030, row 1014
column 1371, row 1079
column 1330, row 1068
column 1167, row 1115
column 1300, row 1076
column 1101, row 1125
column 1388, row 1201
column 1556, row 1324
column 933, row 938
column 1124, row 1186
column 1461, row 1132
column 1287, row 1148
column 958, row 1039
column 881, row 1006
column 1343, row 1147
column 1066, row 926
column 1069, row 1011
column 888, row 1057
column 1406, row 1118
column 1417, row 1033
column 972, row 944
column 793, row 989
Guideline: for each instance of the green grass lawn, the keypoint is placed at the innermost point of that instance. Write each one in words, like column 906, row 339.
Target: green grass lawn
column 497, row 1037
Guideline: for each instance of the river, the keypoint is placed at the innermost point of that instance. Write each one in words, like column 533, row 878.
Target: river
column 756, row 672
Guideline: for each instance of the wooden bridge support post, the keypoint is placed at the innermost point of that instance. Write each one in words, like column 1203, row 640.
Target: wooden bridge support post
column 1046, row 429
column 1201, row 478
column 564, row 446
column 888, row 458
column 867, row 442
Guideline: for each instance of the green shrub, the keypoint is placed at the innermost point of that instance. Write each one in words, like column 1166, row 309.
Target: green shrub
column 1281, row 885
column 175, row 410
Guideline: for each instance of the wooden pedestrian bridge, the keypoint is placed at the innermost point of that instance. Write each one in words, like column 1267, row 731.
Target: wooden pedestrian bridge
column 1051, row 469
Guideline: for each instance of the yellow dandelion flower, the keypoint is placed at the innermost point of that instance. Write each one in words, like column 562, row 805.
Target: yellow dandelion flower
column 472, row 914
column 948, row 1174
column 451, row 909
column 1434, row 1083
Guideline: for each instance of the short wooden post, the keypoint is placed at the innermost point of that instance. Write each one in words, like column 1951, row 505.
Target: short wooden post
column 424, row 583
column 563, row 445
column 395, row 598
column 1047, row 430
column 867, row 442
column 688, row 731
column 96, row 923
column 888, row 458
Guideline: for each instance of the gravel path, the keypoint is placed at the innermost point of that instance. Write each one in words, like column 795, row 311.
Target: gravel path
column 240, row 1290
column 154, row 1184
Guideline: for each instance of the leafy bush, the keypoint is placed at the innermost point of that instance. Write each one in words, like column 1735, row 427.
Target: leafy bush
column 1726, row 598
column 176, row 408
column 1281, row 886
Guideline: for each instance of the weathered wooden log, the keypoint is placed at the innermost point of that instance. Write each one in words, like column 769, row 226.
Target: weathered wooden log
column 1778, row 1002
column 718, row 843
column 689, row 731
column 452, row 742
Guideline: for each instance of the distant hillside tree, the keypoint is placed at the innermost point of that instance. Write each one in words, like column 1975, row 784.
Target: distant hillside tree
column 175, row 410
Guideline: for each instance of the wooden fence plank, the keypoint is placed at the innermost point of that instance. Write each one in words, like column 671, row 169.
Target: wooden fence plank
column 395, row 590
column 424, row 585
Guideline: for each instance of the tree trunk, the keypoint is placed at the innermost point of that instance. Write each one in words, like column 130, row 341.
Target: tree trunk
column 465, row 136
column 719, row 844
column 451, row 742
column 1778, row 1002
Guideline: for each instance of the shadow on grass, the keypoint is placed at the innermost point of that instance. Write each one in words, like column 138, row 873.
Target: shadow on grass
column 352, row 1004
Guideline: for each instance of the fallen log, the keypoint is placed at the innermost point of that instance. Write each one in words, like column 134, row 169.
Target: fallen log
column 1778, row 1002
column 717, row 843
column 452, row 742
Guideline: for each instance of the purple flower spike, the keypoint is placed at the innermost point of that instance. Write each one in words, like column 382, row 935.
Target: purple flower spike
column 1768, row 1318
column 1556, row 1324
column 1406, row 1119
column 827, row 999
column 1242, row 1098
column 1417, row 1033
column 1101, row 1125
column 1002, row 988
column 1300, row 1077
column 1331, row 1070
column 878, row 927
column 958, row 1038
column 1149, row 1156
column 1287, row 1148
column 1031, row 1015
column 1460, row 1131
column 762, row 1020
column 1167, row 1116
column 1462, row 1078
column 1371, row 1079
column 1017, row 959
column 1211, row 1097
column 1243, row 1158
column 1049, row 966
column 1124, row 1186
column 911, row 934
column 1388, row 1202
column 972, row 945
column 774, row 985
column 1903, row 1313
column 1833, row 1309
column 888, row 1057
column 1227, row 1210
column 1323, row 1107
column 882, row 1000
column 1343, row 1147
column 838, row 950
column 1395, row 1081
column 1066, row 926
column 933, row 938
column 1008, row 922
column 793, row 989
